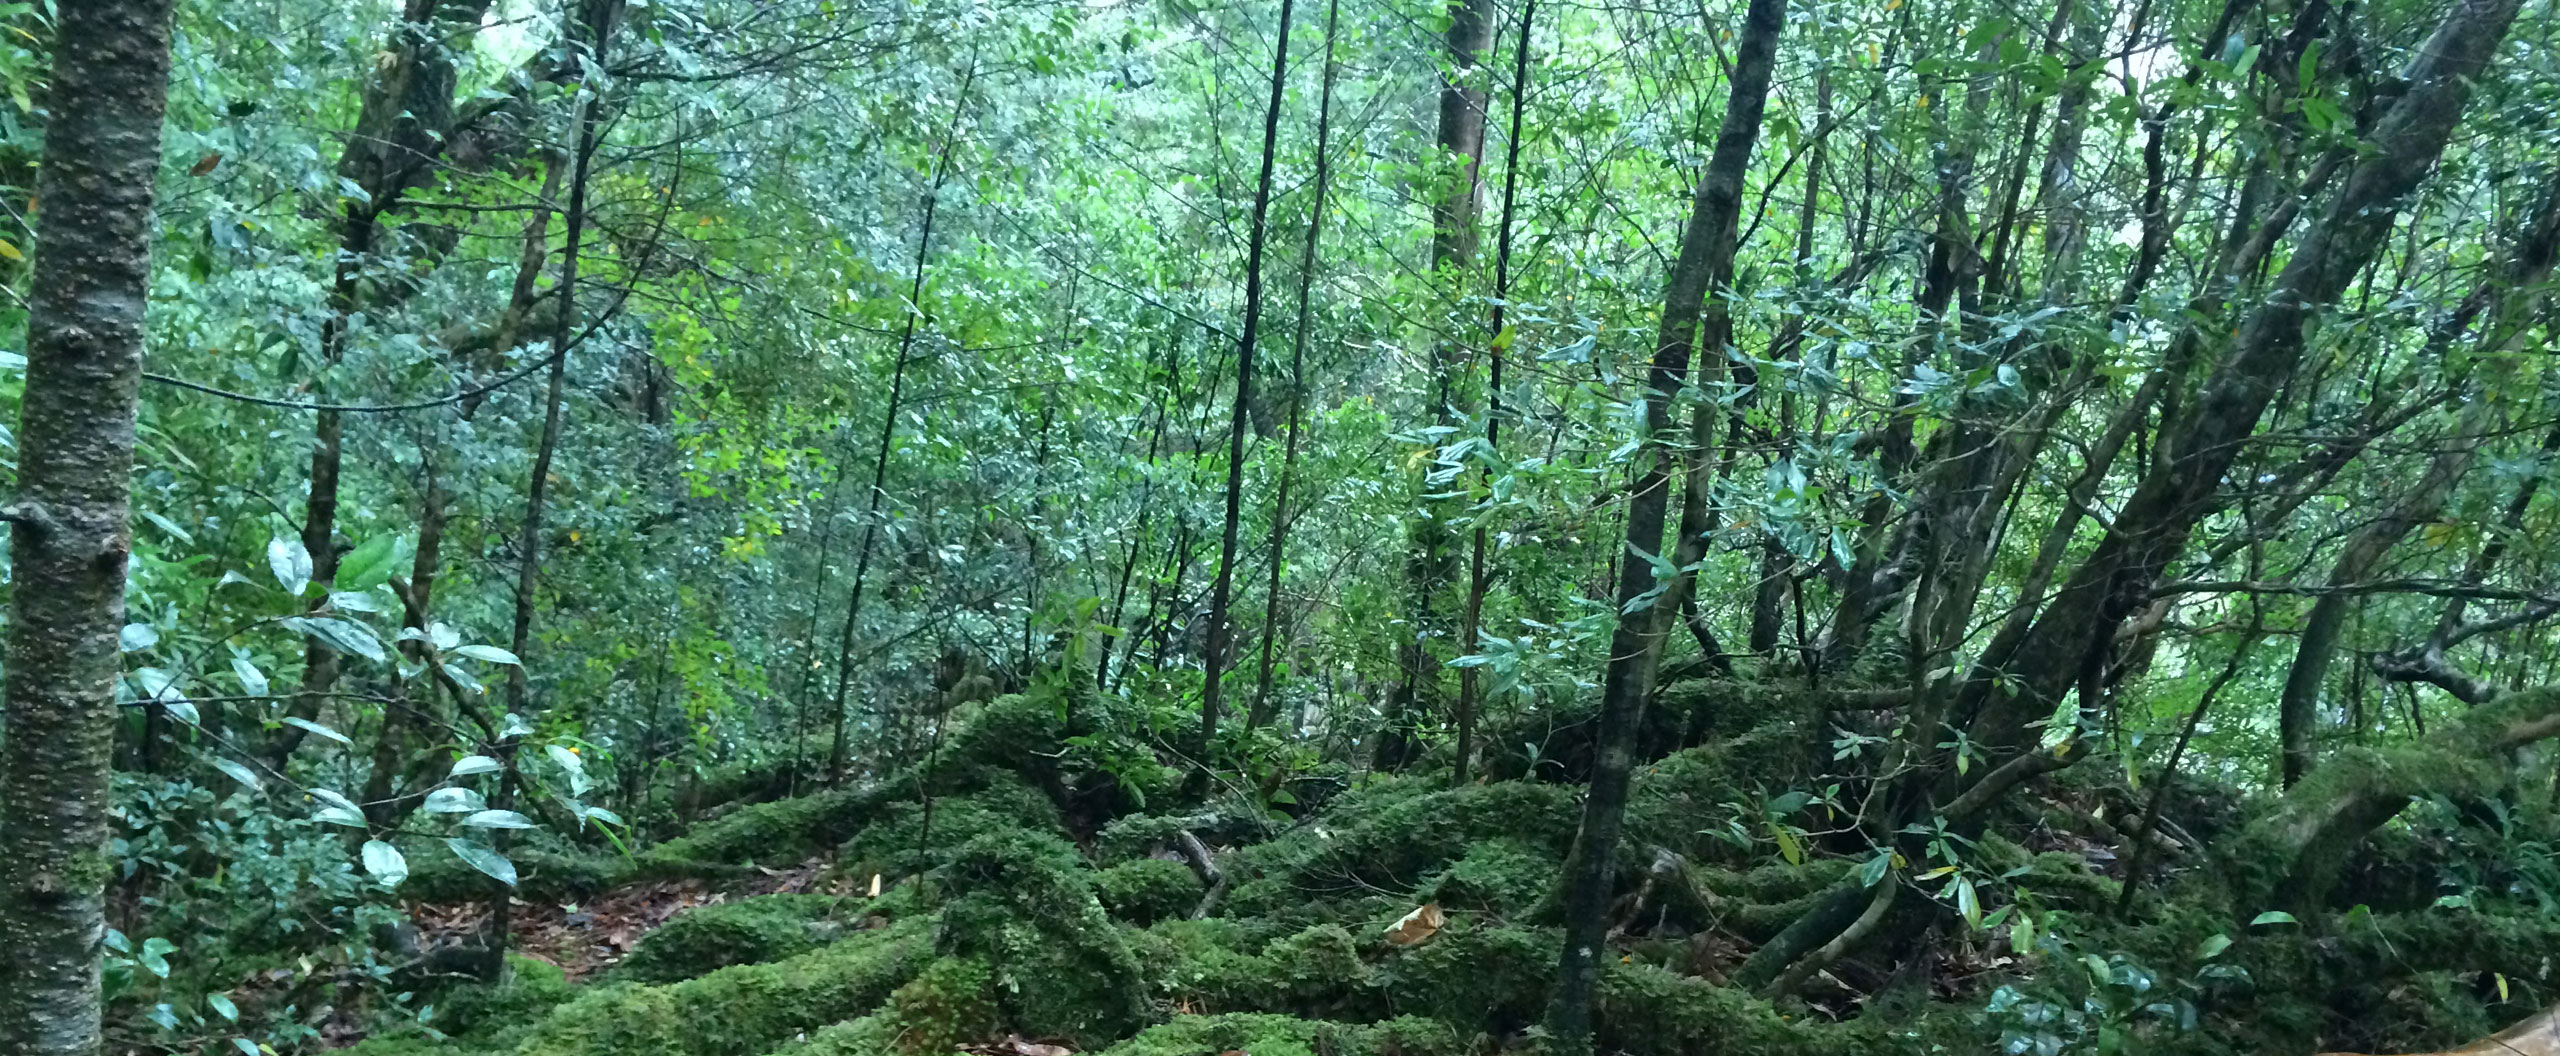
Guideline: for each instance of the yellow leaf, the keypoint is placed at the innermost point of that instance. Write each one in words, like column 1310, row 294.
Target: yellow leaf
column 2502, row 986
column 1937, row 872
column 1788, row 848
column 10, row 250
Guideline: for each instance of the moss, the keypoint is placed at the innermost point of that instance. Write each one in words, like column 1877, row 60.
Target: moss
column 1273, row 1035
column 739, row 1011
column 749, row 931
column 1503, row 877
column 948, row 1005
column 484, row 1015
column 1147, row 890
column 1646, row 1011
column 898, row 843
column 1025, row 905
column 1481, row 977
column 781, row 832
column 1393, row 839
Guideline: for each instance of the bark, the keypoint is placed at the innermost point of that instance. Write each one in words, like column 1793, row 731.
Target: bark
column 1280, row 512
column 2208, row 435
column 1433, row 561
column 1213, row 661
column 1469, row 679
column 70, row 541
column 401, row 131
column 2297, row 708
column 1705, row 264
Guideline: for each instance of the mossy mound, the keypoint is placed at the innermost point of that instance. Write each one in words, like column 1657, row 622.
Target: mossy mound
column 1272, row 1035
column 1647, row 1011
column 1147, row 890
column 1024, row 904
column 782, row 832
column 1391, row 836
column 755, row 930
column 745, row 1010
column 906, row 837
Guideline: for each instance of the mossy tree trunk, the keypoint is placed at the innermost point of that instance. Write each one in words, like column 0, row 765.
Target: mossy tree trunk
column 1705, row 264
column 70, row 541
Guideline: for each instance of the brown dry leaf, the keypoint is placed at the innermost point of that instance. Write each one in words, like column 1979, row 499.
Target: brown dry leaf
column 1015, row 1044
column 1422, row 923
column 2538, row 1036
column 205, row 164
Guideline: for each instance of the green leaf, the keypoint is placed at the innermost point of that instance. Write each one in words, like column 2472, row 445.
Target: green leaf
column 252, row 681
column 298, row 722
column 339, row 635
column 238, row 773
column 246, row 1046
column 2212, row 947
column 475, row 764
column 290, row 562
column 498, row 819
column 385, row 862
column 137, row 637
column 485, row 858
column 155, row 955
column 453, row 801
column 337, row 809
column 369, row 565
column 490, row 653
column 2273, row 916
column 222, row 1006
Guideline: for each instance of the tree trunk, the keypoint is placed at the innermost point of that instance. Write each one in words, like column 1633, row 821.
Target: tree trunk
column 839, row 753
column 1432, row 563
column 2155, row 521
column 75, row 452
column 1213, row 660
column 1280, row 513
column 1469, row 695
column 1705, row 264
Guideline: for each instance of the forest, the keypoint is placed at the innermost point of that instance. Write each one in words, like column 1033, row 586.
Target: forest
column 1279, row 527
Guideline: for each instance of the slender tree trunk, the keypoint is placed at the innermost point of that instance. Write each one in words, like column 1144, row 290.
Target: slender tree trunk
column 538, row 489
column 1280, row 512
column 1469, row 696
column 1705, row 265
column 840, row 753
column 2529, row 263
column 1432, row 563
column 69, row 541
column 1213, row 662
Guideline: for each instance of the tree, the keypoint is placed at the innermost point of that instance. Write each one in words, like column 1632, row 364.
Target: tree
column 1707, row 248
column 69, row 539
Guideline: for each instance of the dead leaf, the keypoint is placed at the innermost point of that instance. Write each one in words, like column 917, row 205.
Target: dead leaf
column 205, row 164
column 875, row 885
column 1422, row 923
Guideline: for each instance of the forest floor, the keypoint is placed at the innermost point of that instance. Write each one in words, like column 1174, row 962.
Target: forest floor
column 1010, row 895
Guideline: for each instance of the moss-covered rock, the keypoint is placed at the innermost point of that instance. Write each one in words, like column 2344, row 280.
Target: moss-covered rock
column 741, row 1011
column 1024, row 904
column 542, row 876
column 1147, row 890
column 784, row 831
column 1646, row 1011
column 754, row 930
column 1393, row 836
column 1273, row 1035
column 899, row 841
